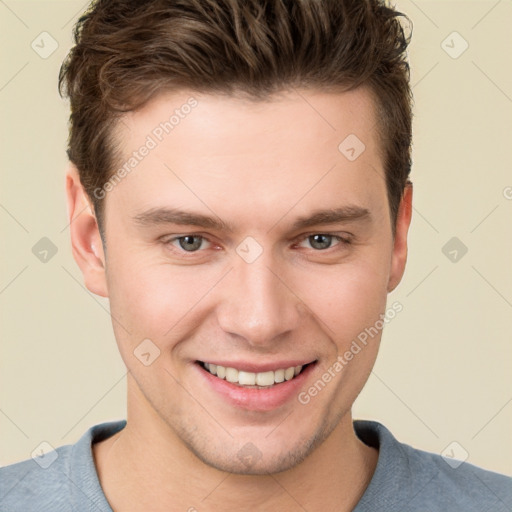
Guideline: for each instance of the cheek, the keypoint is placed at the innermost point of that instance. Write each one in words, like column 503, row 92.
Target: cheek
column 347, row 298
column 154, row 300
column 348, row 302
column 141, row 297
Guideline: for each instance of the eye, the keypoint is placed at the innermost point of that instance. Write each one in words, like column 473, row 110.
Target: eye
column 317, row 241
column 189, row 243
column 322, row 241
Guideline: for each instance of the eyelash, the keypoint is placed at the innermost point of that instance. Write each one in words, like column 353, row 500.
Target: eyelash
column 342, row 242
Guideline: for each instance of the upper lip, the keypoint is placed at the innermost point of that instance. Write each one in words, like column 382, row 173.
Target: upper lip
column 247, row 366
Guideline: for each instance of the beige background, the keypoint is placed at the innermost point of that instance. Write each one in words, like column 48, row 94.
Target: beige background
column 444, row 372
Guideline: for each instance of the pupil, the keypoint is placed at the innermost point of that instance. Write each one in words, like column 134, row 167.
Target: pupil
column 190, row 243
column 320, row 241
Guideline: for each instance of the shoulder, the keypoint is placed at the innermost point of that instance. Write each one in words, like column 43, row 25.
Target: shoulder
column 455, row 483
column 34, row 484
column 414, row 479
column 61, row 480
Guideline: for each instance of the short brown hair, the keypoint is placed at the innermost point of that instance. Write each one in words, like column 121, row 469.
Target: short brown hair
column 128, row 51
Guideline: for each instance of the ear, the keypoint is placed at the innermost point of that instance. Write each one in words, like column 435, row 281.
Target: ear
column 403, row 221
column 86, row 242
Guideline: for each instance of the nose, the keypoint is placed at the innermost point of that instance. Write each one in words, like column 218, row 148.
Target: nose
column 258, row 304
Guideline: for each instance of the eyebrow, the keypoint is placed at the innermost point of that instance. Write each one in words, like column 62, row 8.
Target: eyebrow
column 162, row 216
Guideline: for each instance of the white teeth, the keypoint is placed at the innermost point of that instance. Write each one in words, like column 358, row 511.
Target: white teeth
column 231, row 375
column 289, row 373
column 262, row 379
column 247, row 378
column 279, row 376
column 265, row 378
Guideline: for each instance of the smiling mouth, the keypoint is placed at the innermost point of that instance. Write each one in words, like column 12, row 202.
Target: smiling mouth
column 259, row 380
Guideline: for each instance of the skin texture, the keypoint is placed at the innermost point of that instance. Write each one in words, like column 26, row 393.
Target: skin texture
column 258, row 167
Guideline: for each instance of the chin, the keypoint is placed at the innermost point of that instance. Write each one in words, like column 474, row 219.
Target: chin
column 250, row 460
column 257, row 455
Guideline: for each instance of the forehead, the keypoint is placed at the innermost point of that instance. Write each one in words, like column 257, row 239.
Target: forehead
column 304, row 147
column 297, row 115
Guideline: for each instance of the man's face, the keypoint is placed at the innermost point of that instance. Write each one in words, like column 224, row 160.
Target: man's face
column 276, row 276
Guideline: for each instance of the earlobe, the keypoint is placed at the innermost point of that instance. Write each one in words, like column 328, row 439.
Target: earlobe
column 86, row 244
column 399, row 257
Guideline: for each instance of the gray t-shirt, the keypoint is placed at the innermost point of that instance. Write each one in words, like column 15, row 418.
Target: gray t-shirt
column 405, row 479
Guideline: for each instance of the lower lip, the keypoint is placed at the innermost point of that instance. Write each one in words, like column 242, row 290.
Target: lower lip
column 257, row 399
